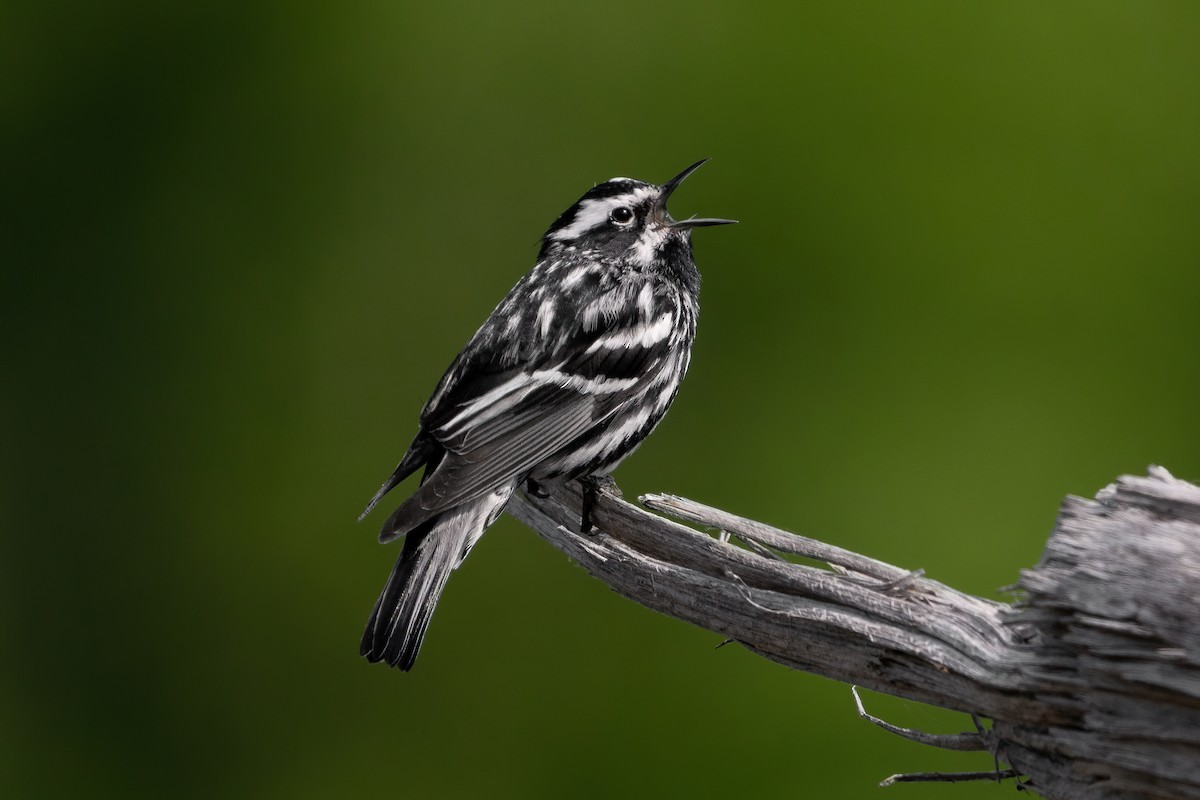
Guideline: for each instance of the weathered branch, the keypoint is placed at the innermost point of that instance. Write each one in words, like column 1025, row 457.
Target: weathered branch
column 1092, row 682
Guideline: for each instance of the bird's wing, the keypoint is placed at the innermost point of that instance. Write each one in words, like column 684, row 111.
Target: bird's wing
column 496, row 424
column 501, row 448
column 420, row 452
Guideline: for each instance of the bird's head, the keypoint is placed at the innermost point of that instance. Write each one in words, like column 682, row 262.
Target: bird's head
column 625, row 220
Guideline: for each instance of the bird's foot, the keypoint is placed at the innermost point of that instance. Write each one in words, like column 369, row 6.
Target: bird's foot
column 593, row 487
column 536, row 489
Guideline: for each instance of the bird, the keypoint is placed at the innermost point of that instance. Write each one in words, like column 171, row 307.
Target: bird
column 565, row 378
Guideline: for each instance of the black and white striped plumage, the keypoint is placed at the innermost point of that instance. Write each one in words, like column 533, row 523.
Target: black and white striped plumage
column 567, row 376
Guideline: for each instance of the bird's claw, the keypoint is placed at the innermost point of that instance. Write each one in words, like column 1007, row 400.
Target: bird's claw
column 593, row 487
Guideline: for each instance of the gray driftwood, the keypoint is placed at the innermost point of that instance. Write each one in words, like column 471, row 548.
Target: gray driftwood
column 1091, row 681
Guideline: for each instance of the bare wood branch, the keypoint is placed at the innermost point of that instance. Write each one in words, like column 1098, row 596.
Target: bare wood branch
column 1092, row 680
column 949, row 777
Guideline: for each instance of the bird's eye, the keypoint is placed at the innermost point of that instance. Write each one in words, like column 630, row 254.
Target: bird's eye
column 622, row 215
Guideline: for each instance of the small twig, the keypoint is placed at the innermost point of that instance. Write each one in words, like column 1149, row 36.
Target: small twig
column 946, row 741
column 691, row 511
column 763, row 551
column 901, row 584
column 948, row 777
column 954, row 741
column 993, row 745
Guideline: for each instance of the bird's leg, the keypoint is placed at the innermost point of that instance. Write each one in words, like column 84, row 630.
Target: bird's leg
column 536, row 489
column 593, row 486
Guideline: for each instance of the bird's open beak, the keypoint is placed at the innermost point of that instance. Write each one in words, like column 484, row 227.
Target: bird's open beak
column 660, row 207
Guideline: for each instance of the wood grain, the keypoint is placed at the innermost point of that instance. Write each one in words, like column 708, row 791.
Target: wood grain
column 1091, row 681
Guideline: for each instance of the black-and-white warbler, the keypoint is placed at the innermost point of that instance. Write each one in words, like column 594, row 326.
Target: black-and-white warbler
column 565, row 378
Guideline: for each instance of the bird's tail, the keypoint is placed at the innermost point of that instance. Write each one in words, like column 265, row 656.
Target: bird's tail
column 431, row 552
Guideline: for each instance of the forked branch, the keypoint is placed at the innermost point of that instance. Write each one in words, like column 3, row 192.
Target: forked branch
column 1092, row 682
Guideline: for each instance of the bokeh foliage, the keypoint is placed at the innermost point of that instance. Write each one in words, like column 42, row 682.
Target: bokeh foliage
column 242, row 240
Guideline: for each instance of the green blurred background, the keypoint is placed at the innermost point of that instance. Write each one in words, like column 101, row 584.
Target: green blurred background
column 242, row 240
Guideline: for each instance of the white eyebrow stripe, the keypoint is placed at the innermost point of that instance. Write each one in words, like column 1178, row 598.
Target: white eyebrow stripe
column 592, row 213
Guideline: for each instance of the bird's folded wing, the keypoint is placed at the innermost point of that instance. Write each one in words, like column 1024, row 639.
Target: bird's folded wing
column 495, row 425
column 489, row 445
